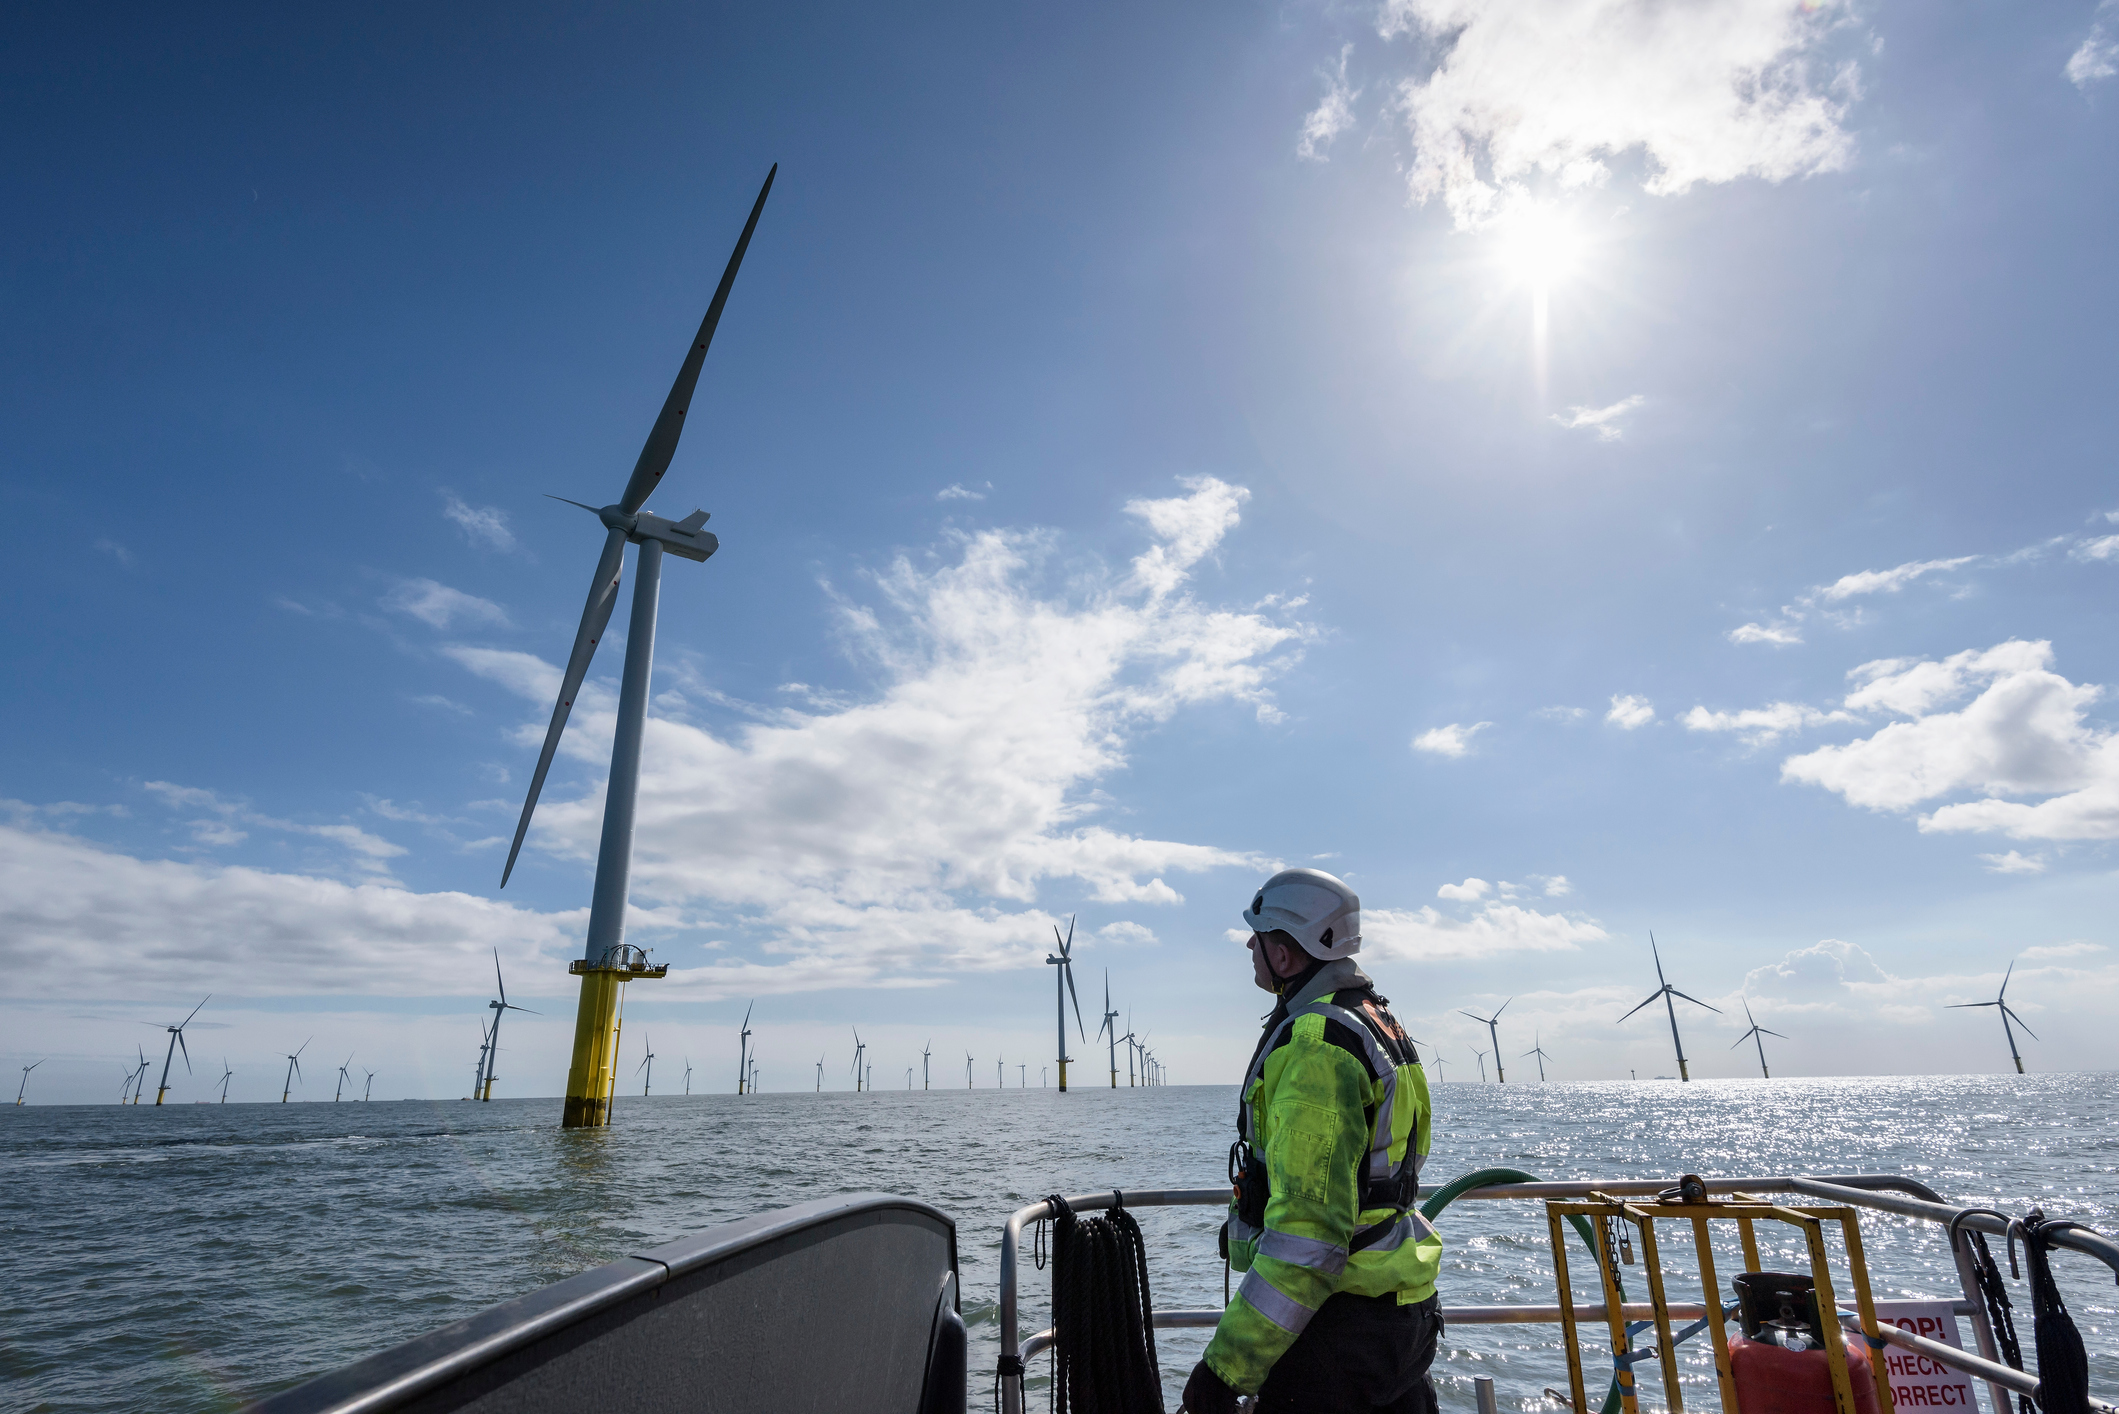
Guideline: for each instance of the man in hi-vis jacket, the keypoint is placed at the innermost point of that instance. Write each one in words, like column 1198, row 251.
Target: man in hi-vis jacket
column 1338, row 1309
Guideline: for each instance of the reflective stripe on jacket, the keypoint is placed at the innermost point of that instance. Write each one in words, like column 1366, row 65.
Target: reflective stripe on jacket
column 1340, row 1114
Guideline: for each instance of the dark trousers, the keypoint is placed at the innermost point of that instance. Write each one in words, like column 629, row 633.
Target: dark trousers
column 1358, row 1354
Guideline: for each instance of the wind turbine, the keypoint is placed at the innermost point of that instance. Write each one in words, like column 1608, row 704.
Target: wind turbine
column 503, row 1005
column 1110, row 1026
column 1666, row 992
column 1757, row 1032
column 1132, row 1043
column 1064, row 984
column 647, row 1064
column 2001, row 1003
column 23, row 1088
column 754, row 1073
column 908, row 1078
column 478, row 1076
column 227, row 1073
column 687, row 1075
column 1044, row 1077
column 1022, row 1075
column 342, row 1079
column 1538, row 1049
column 859, row 1050
column 743, row 1050
column 607, row 963
column 1000, row 1074
column 820, row 1075
column 1493, row 1032
column 967, row 1070
column 1440, row 1065
column 1482, row 1065
column 925, row 1052
column 368, row 1089
column 176, row 1039
column 294, row 1069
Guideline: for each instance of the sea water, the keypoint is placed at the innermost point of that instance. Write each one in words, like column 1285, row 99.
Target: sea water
column 193, row 1257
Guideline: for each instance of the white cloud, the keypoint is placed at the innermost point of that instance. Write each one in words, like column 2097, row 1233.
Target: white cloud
column 1824, row 967
column 1561, row 714
column 2014, row 863
column 2022, row 735
column 2104, row 547
column 217, row 828
column 75, row 916
column 1333, row 115
column 907, row 835
column 1559, row 89
column 116, row 551
column 1778, row 634
column 1470, row 891
column 481, row 525
column 439, row 606
column 1556, row 885
column 1888, row 581
column 1628, row 712
column 2057, row 951
column 957, row 491
column 1452, row 741
column 2097, row 57
column 1603, row 421
column 1759, row 725
column 1428, row 935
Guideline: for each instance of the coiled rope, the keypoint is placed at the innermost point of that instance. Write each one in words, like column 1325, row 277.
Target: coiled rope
column 1103, row 1345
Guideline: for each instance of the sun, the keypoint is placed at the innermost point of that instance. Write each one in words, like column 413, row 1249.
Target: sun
column 1538, row 246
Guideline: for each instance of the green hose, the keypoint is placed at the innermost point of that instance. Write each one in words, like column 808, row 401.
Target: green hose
column 1480, row 1178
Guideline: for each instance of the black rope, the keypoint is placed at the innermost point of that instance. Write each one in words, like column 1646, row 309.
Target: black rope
column 2063, row 1365
column 2001, row 1317
column 1103, row 1343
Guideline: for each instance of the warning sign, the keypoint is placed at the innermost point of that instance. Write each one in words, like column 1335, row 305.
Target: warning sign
column 1917, row 1381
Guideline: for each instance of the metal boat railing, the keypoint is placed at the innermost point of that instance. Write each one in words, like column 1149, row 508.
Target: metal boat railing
column 1872, row 1191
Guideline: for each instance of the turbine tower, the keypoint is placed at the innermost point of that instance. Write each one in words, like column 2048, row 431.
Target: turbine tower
column 343, row 1077
column 294, row 1068
column 967, row 1070
column 820, row 1075
column 368, row 1089
column 1132, row 1044
column 485, row 1091
column 1064, row 983
column 1755, row 1034
column 687, row 1075
column 1493, row 1033
column 23, row 1088
column 478, row 1076
column 743, row 1050
column 1440, row 1065
column 1666, row 992
column 1482, row 1065
column 860, row 1049
column 607, row 962
column 138, row 1079
column 1537, row 1049
column 227, row 1074
column 647, row 1064
column 1000, row 1074
column 925, row 1053
column 176, row 1039
column 1110, row 1026
column 2001, row 1003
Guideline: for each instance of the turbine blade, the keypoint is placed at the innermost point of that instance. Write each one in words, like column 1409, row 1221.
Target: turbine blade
column 662, row 441
column 1501, row 1008
column 1741, row 1039
column 2006, row 976
column 1068, row 968
column 595, row 616
column 194, row 1012
column 1960, row 1006
column 187, row 1050
column 2010, row 1012
column 1764, row 1032
column 1653, row 998
column 1070, row 936
column 497, row 980
column 1695, row 1001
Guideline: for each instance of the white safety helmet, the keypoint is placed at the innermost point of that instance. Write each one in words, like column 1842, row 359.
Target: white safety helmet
column 1321, row 912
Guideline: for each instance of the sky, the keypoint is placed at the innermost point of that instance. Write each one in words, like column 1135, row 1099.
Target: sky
column 1578, row 471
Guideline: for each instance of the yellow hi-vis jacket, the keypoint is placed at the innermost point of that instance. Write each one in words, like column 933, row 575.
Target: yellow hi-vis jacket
column 1337, row 1104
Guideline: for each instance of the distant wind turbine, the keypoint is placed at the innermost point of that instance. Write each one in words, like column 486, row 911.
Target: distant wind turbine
column 1493, row 1032
column 227, row 1073
column 176, row 1039
column 1110, row 1029
column 1666, row 992
column 23, row 1088
column 859, row 1050
column 343, row 1077
column 1440, row 1064
column 1538, row 1049
column 607, row 961
column 485, row 1045
column 743, row 1051
column 1022, row 1075
column 1755, row 1034
column 368, row 1090
column 1064, row 984
column 647, row 1064
column 294, row 1069
column 687, row 1075
column 1000, row 1074
column 820, row 1075
column 926, row 1052
column 500, row 1007
column 908, row 1077
column 1482, row 1065
column 2001, row 1003
column 1132, row 1044
column 967, row 1070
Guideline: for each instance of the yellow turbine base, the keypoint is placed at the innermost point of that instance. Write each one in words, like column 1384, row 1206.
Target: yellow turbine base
column 593, row 1076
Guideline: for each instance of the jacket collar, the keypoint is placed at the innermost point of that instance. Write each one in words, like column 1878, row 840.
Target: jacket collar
column 1332, row 977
